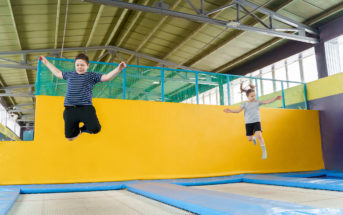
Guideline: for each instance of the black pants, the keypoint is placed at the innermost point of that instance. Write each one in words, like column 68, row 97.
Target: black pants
column 73, row 115
column 251, row 128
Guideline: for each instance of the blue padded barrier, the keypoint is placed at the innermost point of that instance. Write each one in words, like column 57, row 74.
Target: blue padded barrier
column 212, row 202
column 322, row 184
column 7, row 199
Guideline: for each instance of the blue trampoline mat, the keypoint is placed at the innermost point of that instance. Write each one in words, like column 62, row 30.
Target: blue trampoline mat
column 328, row 181
column 213, row 202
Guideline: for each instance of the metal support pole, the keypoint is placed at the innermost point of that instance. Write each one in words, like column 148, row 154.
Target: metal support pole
column 162, row 84
column 228, row 90
column 273, row 77
column 305, row 92
column 301, row 68
column 257, row 94
column 221, row 94
column 197, row 86
column 283, row 96
column 124, row 83
column 37, row 86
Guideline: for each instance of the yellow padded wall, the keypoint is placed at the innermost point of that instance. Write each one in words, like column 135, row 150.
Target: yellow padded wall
column 155, row 140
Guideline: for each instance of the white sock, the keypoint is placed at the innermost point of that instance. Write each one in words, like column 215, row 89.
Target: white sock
column 264, row 152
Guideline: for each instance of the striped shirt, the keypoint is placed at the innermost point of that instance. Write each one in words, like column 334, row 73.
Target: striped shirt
column 79, row 87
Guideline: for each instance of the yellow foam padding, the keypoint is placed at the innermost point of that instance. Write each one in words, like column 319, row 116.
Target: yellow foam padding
column 325, row 87
column 156, row 140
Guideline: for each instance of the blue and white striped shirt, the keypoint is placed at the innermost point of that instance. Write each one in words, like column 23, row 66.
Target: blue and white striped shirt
column 79, row 87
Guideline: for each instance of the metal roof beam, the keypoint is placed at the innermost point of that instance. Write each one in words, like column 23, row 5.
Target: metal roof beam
column 228, row 39
column 223, row 43
column 27, row 116
column 32, row 51
column 220, row 9
column 58, row 12
column 196, row 31
column 311, row 21
column 116, row 27
column 19, row 43
column 193, row 7
column 247, row 55
column 145, row 56
column 16, row 95
column 10, row 98
column 25, row 120
column 21, row 111
column 8, row 60
column 18, row 66
column 254, row 16
column 114, row 48
column 21, row 105
column 96, row 21
column 276, row 16
column 223, row 23
column 17, row 87
column 157, row 26
column 122, row 38
column 14, row 23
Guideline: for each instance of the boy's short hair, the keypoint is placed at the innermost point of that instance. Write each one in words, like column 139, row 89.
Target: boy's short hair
column 82, row 57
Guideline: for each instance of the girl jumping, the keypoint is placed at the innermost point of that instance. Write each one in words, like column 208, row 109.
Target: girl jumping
column 252, row 116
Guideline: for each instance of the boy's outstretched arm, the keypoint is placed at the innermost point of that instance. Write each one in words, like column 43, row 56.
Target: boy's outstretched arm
column 227, row 110
column 271, row 100
column 109, row 76
column 51, row 67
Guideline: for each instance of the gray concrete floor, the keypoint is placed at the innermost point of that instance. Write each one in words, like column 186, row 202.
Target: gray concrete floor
column 314, row 198
column 90, row 203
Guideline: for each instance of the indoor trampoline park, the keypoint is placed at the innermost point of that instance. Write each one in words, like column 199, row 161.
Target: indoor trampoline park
column 163, row 107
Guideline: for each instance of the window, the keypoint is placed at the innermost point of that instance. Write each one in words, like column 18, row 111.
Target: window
column 294, row 73
column 17, row 130
column 254, row 74
column 207, row 100
column 7, row 120
column 340, row 44
column 194, row 100
column 236, row 91
column 267, row 85
column 225, row 95
column 310, row 68
column 334, row 55
column 301, row 67
column 280, row 74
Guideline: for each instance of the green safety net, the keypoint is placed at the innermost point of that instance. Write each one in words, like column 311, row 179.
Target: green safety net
column 173, row 85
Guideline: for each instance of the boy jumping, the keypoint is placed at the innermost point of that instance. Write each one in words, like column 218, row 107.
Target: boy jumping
column 78, row 98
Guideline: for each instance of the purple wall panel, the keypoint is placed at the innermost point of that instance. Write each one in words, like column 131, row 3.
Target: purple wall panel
column 331, row 127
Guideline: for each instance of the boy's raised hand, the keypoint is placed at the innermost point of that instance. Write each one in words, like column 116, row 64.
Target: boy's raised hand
column 122, row 65
column 43, row 59
column 227, row 110
column 278, row 97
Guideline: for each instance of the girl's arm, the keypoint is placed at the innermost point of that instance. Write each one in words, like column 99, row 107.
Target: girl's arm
column 271, row 100
column 109, row 76
column 227, row 110
column 51, row 67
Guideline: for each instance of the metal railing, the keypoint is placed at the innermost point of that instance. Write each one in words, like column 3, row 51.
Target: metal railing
column 163, row 84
